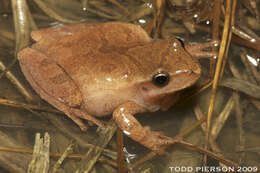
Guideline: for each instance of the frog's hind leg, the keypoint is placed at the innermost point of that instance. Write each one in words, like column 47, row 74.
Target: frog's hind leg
column 54, row 85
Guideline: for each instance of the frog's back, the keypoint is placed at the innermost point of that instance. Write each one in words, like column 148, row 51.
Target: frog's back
column 92, row 54
column 81, row 37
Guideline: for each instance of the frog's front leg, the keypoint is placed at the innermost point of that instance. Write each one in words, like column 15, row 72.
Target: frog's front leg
column 54, row 85
column 123, row 116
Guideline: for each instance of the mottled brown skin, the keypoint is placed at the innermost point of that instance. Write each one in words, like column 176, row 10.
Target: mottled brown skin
column 88, row 70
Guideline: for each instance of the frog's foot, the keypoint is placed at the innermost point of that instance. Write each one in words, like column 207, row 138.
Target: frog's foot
column 77, row 115
column 89, row 118
column 124, row 118
column 78, row 121
column 156, row 141
column 198, row 50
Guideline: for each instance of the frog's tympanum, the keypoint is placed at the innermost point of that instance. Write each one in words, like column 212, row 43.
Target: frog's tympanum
column 94, row 70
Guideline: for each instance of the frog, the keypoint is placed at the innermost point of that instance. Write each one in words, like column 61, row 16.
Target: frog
column 95, row 70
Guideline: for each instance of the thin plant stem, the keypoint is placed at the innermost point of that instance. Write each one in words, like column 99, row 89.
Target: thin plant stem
column 219, row 66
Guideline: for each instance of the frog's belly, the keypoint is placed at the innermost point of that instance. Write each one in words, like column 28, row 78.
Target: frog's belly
column 100, row 104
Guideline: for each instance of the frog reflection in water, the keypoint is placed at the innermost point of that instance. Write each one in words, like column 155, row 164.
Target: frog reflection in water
column 95, row 70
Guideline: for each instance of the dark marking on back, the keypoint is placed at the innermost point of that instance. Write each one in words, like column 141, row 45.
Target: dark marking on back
column 59, row 78
column 45, row 62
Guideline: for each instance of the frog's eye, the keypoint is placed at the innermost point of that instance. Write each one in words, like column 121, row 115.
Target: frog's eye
column 181, row 41
column 161, row 79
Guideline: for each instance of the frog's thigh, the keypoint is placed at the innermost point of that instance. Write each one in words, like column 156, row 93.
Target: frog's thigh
column 49, row 77
column 51, row 82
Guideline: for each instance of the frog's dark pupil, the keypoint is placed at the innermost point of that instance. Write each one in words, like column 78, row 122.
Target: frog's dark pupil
column 181, row 41
column 161, row 79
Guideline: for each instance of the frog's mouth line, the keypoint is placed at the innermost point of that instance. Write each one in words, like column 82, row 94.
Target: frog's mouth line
column 181, row 81
column 155, row 97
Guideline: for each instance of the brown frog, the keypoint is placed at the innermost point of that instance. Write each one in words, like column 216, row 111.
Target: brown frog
column 88, row 70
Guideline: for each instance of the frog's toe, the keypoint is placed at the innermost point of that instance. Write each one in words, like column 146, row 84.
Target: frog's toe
column 164, row 140
column 160, row 145
column 82, row 126
column 81, row 114
column 158, row 136
column 157, row 141
column 79, row 122
column 91, row 123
